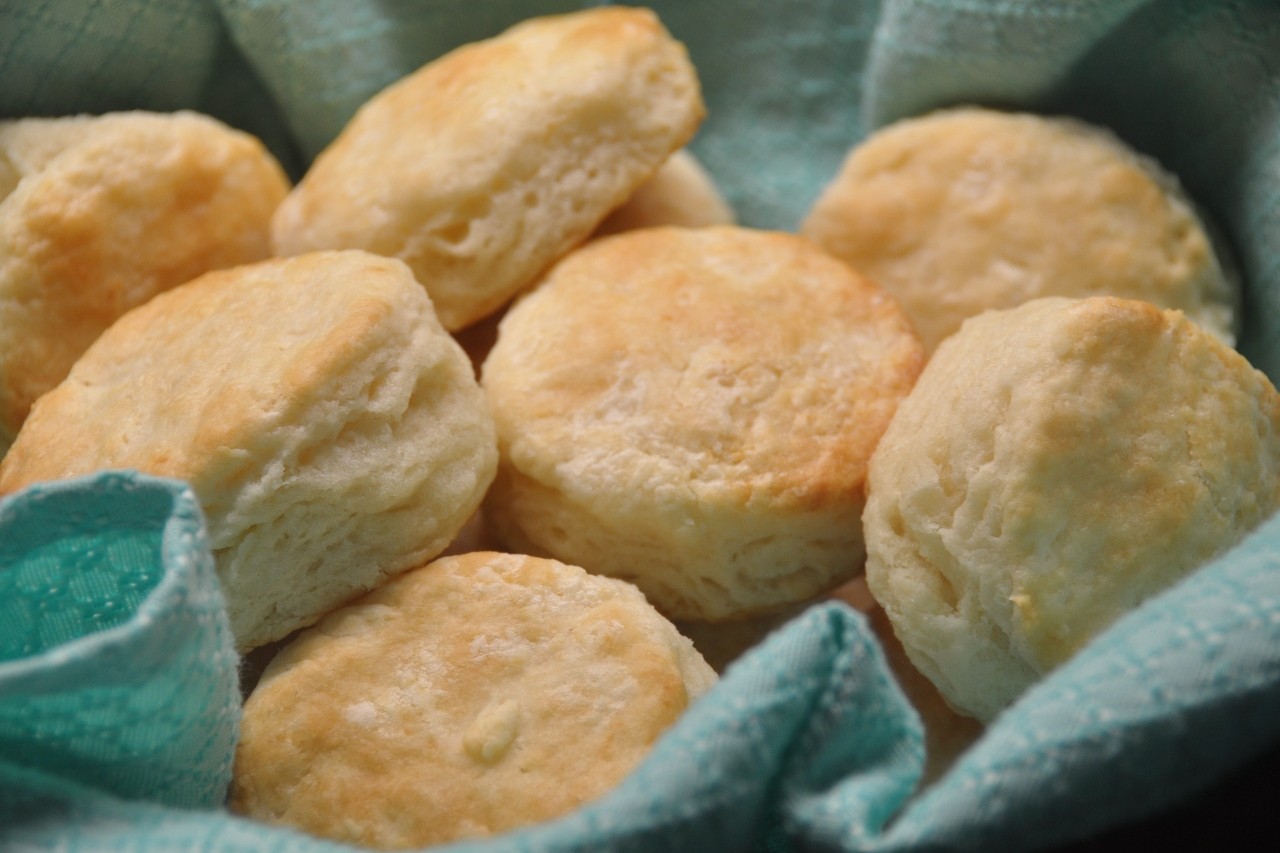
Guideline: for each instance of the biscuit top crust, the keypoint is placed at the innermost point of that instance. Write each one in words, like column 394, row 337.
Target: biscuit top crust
column 1057, row 464
column 490, row 162
column 193, row 383
column 735, row 365
column 478, row 693
column 968, row 209
column 100, row 213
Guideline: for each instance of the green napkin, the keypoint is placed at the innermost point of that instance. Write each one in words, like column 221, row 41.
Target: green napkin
column 806, row 742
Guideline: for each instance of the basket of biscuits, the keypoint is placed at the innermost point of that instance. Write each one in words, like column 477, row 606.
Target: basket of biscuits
column 576, row 426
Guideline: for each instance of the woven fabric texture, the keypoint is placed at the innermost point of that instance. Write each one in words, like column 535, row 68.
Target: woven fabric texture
column 117, row 693
column 116, row 664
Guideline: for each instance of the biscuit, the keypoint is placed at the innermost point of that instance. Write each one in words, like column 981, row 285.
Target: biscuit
column 970, row 209
column 1056, row 465
column 474, row 695
column 99, row 214
column 681, row 193
column 693, row 410
column 487, row 164
column 333, row 432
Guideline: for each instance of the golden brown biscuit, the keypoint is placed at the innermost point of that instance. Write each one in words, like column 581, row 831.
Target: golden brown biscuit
column 693, row 410
column 332, row 430
column 486, row 165
column 681, row 193
column 970, row 209
column 477, row 694
column 1056, row 465
column 99, row 214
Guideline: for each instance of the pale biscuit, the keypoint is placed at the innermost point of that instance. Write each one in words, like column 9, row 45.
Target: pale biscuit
column 477, row 694
column 1056, row 465
column 682, row 192
column 487, row 164
column 970, row 209
column 332, row 430
column 99, row 214
column 693, row 410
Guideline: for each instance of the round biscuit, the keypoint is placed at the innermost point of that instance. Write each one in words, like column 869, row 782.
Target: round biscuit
column 487, row 164
column 100, row 213
column 1056, row 465
column 333, row 432
column 971, row 209
column 692, row 409
column 474, row 695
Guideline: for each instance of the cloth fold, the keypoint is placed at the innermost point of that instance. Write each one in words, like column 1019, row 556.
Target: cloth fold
column 118, row 699
column 116, row 665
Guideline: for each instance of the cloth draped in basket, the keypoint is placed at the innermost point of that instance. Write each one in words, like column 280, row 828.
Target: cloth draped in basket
column 118, row 696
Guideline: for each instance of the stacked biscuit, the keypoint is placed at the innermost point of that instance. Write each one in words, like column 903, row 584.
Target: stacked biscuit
column 507, row 317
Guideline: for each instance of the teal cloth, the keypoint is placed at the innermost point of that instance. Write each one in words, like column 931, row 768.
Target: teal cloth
column 117, row 703
column 116, row 664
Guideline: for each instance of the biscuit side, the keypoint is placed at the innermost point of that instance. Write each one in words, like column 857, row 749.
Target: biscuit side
column 693, row 410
